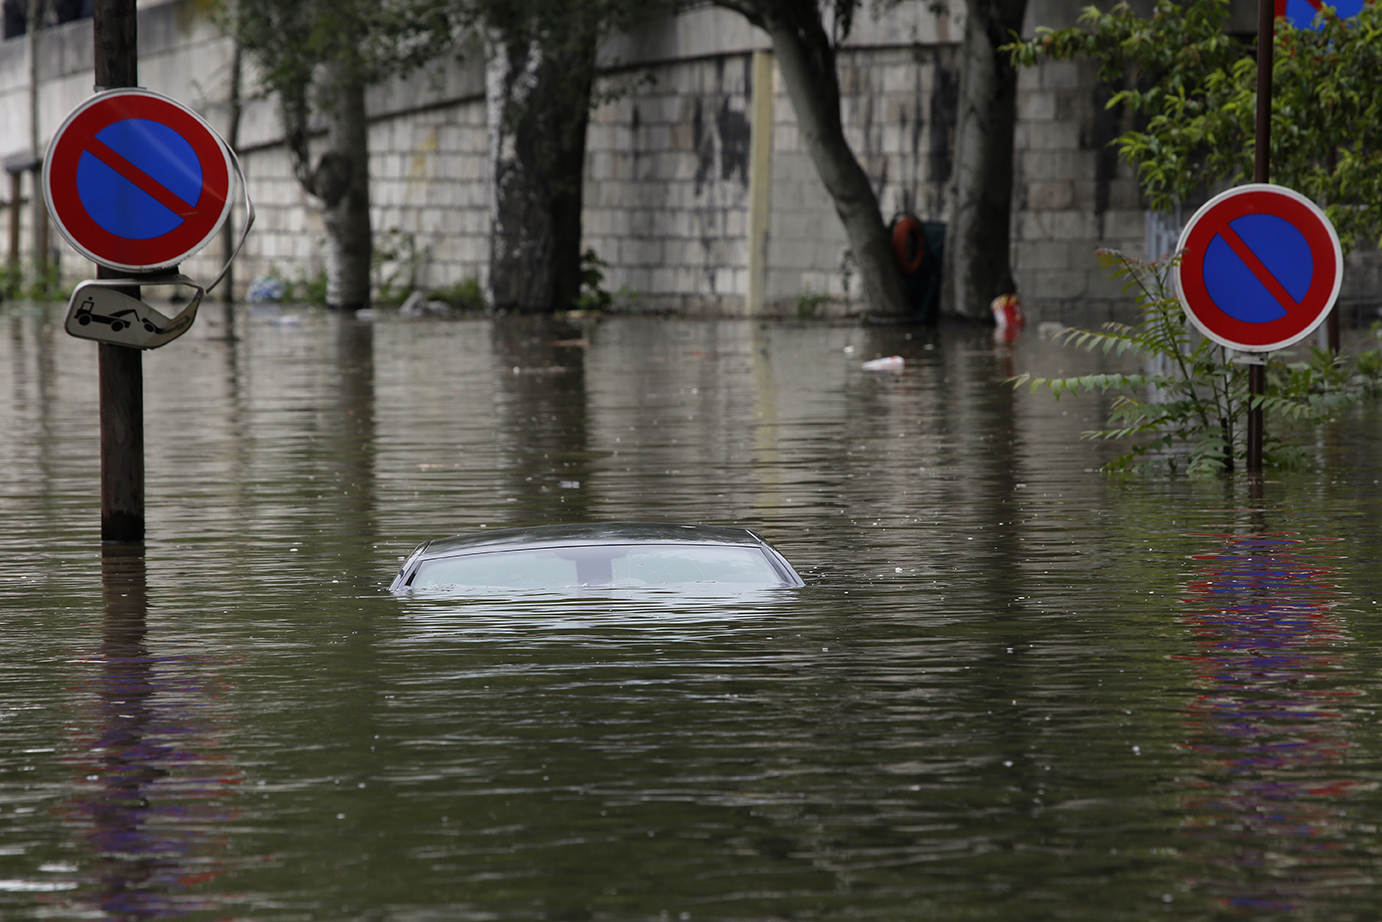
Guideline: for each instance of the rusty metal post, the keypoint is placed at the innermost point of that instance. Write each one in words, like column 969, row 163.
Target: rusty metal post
column 1262, row 166
column 12, row 275
column 41, row 242
column 1266, row 39
column 121, row 368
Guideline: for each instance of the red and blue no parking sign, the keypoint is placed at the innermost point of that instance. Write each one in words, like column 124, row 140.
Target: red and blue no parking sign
column 1260, row 267
column 136, row 181
column 1302, row 13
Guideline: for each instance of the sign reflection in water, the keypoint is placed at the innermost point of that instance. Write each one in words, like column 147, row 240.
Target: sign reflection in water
column 149, row 798
column 1271, row 724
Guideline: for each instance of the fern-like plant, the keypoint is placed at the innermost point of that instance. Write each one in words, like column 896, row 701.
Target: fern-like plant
column 1188, row 407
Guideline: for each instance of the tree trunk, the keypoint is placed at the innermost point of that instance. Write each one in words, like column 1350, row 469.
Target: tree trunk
column 978, row 265
column 37, row 24
column 228, row 234
column 346, row 200
column 340, row 179
column 807, row 61
column 538, row 101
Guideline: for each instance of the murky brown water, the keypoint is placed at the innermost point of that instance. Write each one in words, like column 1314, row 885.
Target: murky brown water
column 1013, row 689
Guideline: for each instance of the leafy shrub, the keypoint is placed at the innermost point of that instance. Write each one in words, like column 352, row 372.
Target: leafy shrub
column 1189, row 409
column 593, row 296
column 465, row 295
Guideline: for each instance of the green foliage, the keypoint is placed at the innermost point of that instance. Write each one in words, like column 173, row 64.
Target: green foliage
column 25, row 281
column 1189, row 410
column 563, row 36
column 291, row 41
column 809, row 304
column 1195, row 91
column 593, row 296
column 396, row 260
column 308, row 288
column 465, row 295
column 1367, row 376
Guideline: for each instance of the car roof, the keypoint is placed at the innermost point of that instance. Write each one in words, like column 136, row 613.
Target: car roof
column 588, row 534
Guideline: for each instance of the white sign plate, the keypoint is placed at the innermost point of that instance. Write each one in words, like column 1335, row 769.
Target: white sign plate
column 100, row 312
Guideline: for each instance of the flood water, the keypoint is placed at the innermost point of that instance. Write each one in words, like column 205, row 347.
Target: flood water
column 1014, row 688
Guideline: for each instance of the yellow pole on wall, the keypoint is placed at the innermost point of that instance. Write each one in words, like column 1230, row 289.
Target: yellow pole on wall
column 760, row 180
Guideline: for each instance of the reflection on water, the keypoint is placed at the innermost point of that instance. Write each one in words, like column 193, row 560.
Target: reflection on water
column 149, row 803
column 559, row 616
column 1272, row 723
column 999, row 696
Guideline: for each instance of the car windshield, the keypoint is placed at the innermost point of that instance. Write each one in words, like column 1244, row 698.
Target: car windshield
column 619, row 566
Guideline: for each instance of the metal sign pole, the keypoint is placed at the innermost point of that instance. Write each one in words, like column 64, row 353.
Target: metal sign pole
column 121, row 369
column 1257, row 373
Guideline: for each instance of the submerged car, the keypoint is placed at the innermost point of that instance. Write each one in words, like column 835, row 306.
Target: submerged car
column 690, row 558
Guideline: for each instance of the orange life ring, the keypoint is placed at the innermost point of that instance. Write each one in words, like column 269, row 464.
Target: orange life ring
column 909, row 246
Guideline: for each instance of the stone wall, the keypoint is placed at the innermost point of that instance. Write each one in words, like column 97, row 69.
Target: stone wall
column 1071, row 194
column 667, row 186
column 700, row 197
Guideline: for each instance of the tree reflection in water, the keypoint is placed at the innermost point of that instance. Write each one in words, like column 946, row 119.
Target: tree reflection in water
column 1269, row 722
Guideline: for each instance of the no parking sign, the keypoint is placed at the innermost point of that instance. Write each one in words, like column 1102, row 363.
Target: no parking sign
column 136, row 181
column 1260, row 267
column 1302, row 13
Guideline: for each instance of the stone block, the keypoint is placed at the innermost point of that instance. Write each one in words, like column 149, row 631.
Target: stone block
column 634, row 278
column 1031, row 165
column 680, row 169
column 689, row 279
column 642, row 222
column 736, row 222
column 680, row 252
column 452, row 223
column 1125, row 224
column 599, row 165
column 637, row 252
column 1058, row 75
column 662, row 280
column 1049, row 135
column 1086, row 193
column 598, row 222
column 1036, row 105
column 476, row 223
column 893, row 139
column 786, row 138
column 1058, row 225
column 1041, row 254
column 1050, row 196
column 896, row 80
column 797, row 225
column 1099, row 283
column 1124, row 193
column 468, row 168
column 1055, row 283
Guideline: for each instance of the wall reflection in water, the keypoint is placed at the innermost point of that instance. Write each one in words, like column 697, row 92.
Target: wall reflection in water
column 1271, row 723
column 152, row 798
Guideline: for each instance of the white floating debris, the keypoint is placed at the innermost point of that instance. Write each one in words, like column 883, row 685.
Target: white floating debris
column 893, row 363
